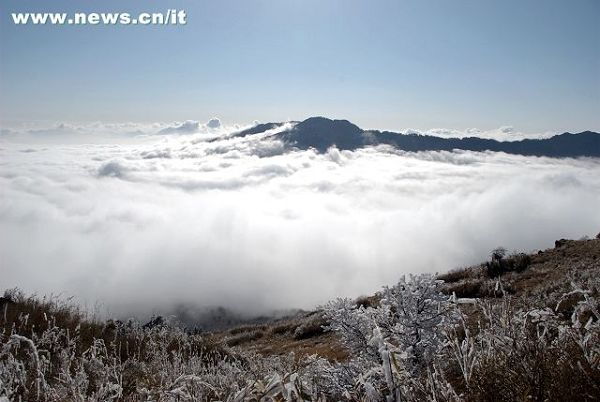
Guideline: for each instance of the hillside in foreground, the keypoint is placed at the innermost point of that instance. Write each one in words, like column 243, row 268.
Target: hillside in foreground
column 517, row 327
column 548, row 275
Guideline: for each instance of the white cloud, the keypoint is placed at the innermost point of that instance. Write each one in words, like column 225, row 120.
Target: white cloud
column 100, row 132
column 504, row 133
column 144, row 222
column 187, row 127
column 213, row 123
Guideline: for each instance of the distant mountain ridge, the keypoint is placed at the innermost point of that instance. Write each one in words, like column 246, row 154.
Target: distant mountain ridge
column 321, row 133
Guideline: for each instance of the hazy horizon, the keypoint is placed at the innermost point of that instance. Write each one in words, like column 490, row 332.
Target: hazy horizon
column 97, row 130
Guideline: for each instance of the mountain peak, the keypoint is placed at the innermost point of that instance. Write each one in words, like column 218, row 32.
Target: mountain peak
column 326, row 124
column 321, row 133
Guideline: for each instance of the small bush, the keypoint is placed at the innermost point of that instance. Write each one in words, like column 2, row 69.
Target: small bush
column 520, row 262
column 311, row 327
column 284, row 327
column 368, row 301
column 455, row 275
column 465, row 289
column 500, row 265
column 478, row 288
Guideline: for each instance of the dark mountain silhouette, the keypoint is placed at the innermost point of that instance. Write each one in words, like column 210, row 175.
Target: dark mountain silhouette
column 259, row 128
column 564, row 145
column 321, row 133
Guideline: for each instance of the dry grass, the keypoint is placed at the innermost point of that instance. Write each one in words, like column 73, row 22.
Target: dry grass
column 32, row 315
column 302, row 335
column 244, row 337
column 247, row 328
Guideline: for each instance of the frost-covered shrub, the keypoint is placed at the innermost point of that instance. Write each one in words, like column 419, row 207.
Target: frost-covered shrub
column 424, row 347
column 398, row 339
column 354, row 324
column 533, row 354
column 413, row 316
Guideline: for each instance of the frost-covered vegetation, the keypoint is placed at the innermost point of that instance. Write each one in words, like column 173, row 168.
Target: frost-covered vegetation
column 412, row 342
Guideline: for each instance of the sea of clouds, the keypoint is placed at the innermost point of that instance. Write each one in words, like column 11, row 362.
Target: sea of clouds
column 139, row 217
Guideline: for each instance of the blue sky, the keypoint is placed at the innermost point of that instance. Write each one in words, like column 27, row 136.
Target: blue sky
column 381, row 64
